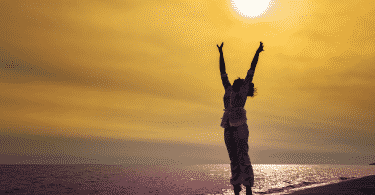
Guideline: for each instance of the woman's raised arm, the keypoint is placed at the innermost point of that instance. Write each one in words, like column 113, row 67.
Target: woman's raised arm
column 224, row 76
column 222, row 63
column 256, row 56
column 250, row 73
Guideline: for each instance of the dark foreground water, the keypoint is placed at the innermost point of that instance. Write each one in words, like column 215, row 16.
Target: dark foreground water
column 141, row 179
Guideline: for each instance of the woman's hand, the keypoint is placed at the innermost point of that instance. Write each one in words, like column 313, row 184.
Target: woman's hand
column 221, row 47
column 260, row 49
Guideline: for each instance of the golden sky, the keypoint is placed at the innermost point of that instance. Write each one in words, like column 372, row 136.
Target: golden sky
column 131, row 70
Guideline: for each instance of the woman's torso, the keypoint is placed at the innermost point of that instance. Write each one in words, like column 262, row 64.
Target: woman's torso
column 234, row 99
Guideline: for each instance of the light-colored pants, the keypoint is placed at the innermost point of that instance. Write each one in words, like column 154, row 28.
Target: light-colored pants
column 236, row 139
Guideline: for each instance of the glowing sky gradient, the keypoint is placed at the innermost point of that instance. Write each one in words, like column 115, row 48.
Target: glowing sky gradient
column 125, row 71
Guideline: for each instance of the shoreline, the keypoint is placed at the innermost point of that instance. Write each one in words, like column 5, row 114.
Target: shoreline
column 157, row 180
column 364, row 185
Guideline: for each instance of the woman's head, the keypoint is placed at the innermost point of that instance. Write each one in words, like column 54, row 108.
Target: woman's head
column 237, row 84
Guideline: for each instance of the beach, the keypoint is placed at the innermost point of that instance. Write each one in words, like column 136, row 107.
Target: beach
column 364, row 186
column 206, row 179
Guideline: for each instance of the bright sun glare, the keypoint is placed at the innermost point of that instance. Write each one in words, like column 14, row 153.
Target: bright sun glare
column 251, row 8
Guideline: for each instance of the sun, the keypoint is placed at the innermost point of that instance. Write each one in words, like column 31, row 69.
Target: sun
column 251, row 8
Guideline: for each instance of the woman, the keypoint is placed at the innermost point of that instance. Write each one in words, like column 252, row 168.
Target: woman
column 234, row 120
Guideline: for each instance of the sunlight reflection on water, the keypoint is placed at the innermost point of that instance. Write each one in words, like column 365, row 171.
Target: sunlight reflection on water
column 270, row 178
column 140, row 179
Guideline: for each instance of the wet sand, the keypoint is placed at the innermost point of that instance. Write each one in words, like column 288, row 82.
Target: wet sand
column 360, row 186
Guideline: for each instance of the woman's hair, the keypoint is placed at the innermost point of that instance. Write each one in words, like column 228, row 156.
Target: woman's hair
column 252, row 90
column 239, row 82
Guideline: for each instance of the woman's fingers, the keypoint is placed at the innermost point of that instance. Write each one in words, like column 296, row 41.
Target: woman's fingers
column 260, row 49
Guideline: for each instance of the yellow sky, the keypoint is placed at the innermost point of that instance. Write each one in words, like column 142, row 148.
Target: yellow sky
column 149, row 70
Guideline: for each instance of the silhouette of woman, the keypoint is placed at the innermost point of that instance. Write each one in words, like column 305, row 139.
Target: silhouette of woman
column 236, row 132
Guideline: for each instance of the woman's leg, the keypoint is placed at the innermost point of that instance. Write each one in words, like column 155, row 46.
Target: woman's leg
column 248, row 190
column 230, row 139
column 243, row 155
column 237, row 189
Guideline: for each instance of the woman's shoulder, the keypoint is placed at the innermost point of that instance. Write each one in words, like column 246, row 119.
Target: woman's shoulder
column 229, row 89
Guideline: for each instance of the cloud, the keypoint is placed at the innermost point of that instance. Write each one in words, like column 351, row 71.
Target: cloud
column 16, row 70
column 105, row 51
column 149, row 70
column 126, row 114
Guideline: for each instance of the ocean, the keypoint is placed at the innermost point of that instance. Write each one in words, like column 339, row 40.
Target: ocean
column 206, row 179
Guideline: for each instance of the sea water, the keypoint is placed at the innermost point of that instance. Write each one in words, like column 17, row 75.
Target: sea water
column 161, row 179
column 284, row 179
